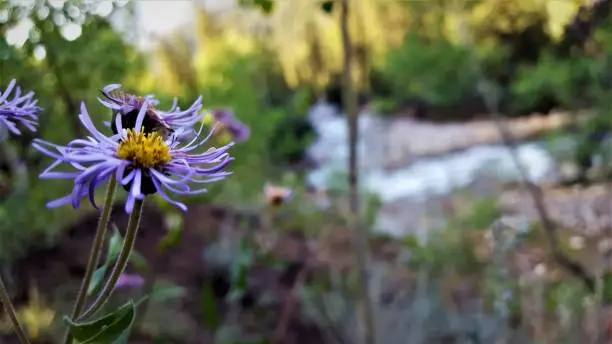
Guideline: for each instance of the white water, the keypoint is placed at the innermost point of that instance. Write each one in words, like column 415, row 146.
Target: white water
column 423, row 176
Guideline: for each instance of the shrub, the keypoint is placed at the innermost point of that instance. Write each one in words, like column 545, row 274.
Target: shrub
column 438, row 71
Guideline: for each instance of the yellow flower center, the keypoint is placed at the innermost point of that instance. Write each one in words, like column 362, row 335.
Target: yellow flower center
column 144, row 149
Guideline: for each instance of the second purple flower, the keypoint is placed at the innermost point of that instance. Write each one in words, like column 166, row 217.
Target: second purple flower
column 239, row 132
column 18, row 109
column 144, row 162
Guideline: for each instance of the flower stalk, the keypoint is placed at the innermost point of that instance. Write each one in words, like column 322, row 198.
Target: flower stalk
column 147, row 153
column 122, row 261
column 10, row 310
column 94, row 254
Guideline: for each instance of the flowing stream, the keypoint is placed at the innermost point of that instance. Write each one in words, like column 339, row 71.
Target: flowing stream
column 420, row 177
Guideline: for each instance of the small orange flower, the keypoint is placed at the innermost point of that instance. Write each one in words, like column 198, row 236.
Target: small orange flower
column 276, row 195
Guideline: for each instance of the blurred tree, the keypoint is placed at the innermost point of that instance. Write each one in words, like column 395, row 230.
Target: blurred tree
column 587, row 18
column 71, row 62
column 67, row 54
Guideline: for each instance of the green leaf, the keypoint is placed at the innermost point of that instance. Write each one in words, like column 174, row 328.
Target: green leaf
column 163, row 291
column 114, row 245
column 327, row 6
column 123, row 339
column 212, row 318
column 138, row 260
column 170, row 240
column 96, row 279
column 111, row 328
column 243, row 260
column 607, row 287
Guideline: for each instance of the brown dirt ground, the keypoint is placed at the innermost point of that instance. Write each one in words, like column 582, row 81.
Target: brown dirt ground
column 52, row 268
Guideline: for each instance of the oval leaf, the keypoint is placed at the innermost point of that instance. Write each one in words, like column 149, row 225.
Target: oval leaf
column 96, row 279
column 113, row 248
column 163, row 291
column 110, row 328
column 114, row 244
column 138, row 260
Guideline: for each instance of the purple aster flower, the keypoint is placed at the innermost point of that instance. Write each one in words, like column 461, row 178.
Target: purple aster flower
column 129, row 281
column 143, row 162
column 20, row 109
column 239, row 131
column 128, row 106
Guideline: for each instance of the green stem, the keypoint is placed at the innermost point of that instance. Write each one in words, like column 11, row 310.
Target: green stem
column 122, row 261
column 10, row 310
column 94, row 254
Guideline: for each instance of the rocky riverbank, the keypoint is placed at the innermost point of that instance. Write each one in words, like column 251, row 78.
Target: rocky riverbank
column 414, row 166
column 393, row 142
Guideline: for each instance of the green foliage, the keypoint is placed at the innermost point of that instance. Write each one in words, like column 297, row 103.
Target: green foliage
column 112, row 251
column 174, row 223
column 112, row 328
column 573, row 82
column 251, row 85
column 562, row 80
column 24, row 221
column 164, row 291
column 211, row 314
column 436, row 71
column 242, row 262
column 237, row 73
column 448, row 250
column 606, row 293
column 266, row 6
column 480, row 214
column 71, row 72
column 289, row 141
column 170, row 239
column 568, row 293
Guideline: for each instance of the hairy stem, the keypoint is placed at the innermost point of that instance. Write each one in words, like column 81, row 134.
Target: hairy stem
column 122, row 261
column 10, row 310
column 94, row 254
column 360, row 246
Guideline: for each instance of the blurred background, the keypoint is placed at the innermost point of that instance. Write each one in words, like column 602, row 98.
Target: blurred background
column 483, row 140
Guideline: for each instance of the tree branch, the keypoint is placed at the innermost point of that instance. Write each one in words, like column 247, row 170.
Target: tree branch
column 365, row 312
column 491, row 99
column 550, row 228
